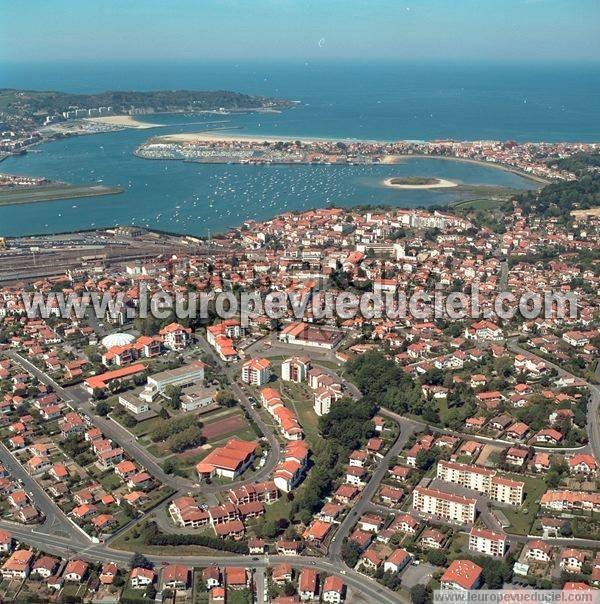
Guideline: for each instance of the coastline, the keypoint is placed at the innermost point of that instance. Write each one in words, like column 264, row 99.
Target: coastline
column 397, row 159
column 214, row 136
column 122, row 121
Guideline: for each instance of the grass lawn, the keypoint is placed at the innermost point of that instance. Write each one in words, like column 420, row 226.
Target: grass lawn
column 522, row 519
column 299, row 398
column 443, row 409
column 154, row 449
column 332, row 365
column 73, row 590
column 129, row 543
column 135, row 595
column 184, row 467
column 277, row 510
column 157, row 496
column 239, row 596
column 246, row 433
column 480, row 204
column 460, row 544
column 110, row 481
column 145, row 427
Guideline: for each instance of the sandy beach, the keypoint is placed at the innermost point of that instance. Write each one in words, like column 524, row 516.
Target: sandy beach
column 440, row 184
column 229, row 134
column 124, row 121
column 588, row 212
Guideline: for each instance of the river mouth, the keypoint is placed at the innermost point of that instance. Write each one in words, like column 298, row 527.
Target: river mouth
column 195, row 199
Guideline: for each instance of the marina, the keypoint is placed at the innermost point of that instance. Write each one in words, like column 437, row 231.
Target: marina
column 195, row 198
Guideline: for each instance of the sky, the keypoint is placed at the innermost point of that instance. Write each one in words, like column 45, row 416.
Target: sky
column 127, row 30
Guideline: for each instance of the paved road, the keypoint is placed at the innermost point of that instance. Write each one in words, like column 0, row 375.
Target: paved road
column 69, row 545
column 486, row 440
column 260, row 586
column 55, row 520
column 333, row 564
column 364, row 499
column 64, row 547
column 593, row 423
column 270, row 346
column 77, row 398
column 233, row 373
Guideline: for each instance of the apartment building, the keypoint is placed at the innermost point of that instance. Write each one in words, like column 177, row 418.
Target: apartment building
column 444, row 505
column 295, row 369
column 462, row 575
column 466, row 475
column 506, row 490
column 256, row 372
column 482, row 480
column 487, row 542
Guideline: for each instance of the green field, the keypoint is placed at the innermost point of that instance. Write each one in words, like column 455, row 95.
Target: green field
column 522, row 519
column 485, row 203
column 53, row 192
column 299, row 398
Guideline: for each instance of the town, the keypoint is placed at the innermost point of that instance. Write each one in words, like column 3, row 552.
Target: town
column 304, row 459
column 539, row 160
column 300, row 302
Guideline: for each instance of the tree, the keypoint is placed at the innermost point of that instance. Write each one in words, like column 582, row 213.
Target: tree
column 383, row 383
column 270, row 529
column 437, row 557
column 350, row 553
column 186, row 439
column 566, row 530
column 425, row 459
column 225, row 398
column 103, row 408
column 140, row 561
column 173, row 394
column 129, row 421
column 419, row 594
column 553, row 479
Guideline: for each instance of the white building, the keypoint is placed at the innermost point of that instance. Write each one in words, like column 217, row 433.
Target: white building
column 482, row 480
column 256, row 372
column 133, row 403
column 196, row 397
column 444, row 505
column 176, row 337
column 487, row 542
column 323, row 399
column 182, row 376
column 295, row 369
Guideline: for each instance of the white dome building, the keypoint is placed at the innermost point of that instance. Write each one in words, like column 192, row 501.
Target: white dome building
column 117, row 339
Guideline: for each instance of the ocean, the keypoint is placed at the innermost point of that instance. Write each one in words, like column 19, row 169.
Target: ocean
column 383, row 101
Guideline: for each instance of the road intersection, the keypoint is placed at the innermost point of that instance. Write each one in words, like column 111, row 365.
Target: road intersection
column 59, row 535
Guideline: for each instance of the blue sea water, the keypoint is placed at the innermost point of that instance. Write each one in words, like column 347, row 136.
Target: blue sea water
column 383, row 101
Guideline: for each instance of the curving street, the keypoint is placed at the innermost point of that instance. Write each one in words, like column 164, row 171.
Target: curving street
column 59, row 535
